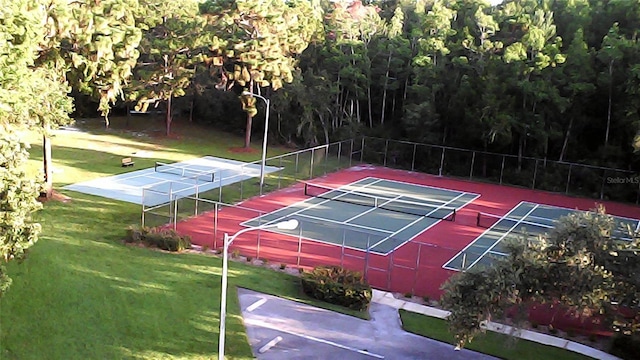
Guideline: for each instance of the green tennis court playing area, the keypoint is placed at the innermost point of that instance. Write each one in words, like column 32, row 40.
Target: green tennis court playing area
column 372, row 214
column 526, row 219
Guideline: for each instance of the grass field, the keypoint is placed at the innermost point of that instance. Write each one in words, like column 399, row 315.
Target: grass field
column 491, row 343
column 82, row 294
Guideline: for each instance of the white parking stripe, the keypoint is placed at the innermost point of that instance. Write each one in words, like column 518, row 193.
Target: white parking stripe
column 270, row 344
column 312, row 338
column 256, row 304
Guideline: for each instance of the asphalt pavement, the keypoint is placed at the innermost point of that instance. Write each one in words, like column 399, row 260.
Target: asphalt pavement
column 286, row 330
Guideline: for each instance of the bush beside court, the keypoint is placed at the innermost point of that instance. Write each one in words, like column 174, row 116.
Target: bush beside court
column 337, row 285
column 163, row 239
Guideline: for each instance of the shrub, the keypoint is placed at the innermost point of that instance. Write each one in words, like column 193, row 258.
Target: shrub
column 426, row 299
column 249, row 258
column 161, row 238
column 205, row 248
column 337, row 285
column 235, row 254
column 625, row 346
column 408, row 295
column 283, row 266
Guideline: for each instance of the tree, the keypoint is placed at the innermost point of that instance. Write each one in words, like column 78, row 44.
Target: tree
column 256, row 44
column 171, row 50
column 31, row 96
column 578, row 265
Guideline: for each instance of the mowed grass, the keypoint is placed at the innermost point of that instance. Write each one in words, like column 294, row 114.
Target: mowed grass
column 491, row 343
column 82, row 294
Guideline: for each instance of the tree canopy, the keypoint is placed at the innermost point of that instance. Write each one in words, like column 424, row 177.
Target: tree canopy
column 578, row 265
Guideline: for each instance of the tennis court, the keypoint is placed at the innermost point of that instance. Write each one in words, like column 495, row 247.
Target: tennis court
column 526, row 219
column 372, row 214
column 167, row 180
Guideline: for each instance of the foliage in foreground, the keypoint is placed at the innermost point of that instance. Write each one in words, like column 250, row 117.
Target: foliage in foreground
column 337, row 285
column 18, row 194
column 577, row 265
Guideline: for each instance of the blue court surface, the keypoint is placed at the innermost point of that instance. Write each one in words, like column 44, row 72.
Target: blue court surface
column 526, row 219
column 183, row 179
column 372, row 215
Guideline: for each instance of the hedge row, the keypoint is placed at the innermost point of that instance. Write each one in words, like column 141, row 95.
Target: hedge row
column 336, row 285
column 161, row 238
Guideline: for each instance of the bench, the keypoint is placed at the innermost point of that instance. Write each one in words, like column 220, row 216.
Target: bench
column 127, row 162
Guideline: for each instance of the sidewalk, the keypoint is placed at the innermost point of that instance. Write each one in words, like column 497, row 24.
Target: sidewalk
column 388, row 299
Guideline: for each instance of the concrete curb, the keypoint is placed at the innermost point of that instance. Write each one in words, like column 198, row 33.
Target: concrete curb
column 386, row 298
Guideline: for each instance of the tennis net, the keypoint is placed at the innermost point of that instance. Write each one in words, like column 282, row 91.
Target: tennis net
column 385, row 203
column 199, row 175
column 520, row 226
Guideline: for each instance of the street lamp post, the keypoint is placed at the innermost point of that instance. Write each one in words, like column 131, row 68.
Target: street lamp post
column 283, row 225
column 264, row 140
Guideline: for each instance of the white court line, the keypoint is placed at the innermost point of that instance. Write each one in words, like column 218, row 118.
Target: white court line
column 415, row 221
column 476, row 239
column 345, row 223
column 297, row 212
column 502, row 237
column 312, row 338
column 371, row 209
column 256, row 304
column 427, row 186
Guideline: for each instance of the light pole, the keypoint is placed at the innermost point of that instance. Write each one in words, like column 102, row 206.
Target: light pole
column 264, row 140
column 283, row 225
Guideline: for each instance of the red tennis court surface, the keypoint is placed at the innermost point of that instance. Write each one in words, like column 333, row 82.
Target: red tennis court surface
column 415, row 267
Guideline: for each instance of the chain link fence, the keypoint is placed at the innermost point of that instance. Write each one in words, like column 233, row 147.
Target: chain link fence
column 413, row 267
column 541, row 174
column 159, row 201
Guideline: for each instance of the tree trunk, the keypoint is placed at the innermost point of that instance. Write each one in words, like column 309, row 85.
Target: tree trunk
column 369, row 106
column 168, row 115
column 193, row 104
column 384, row 91
column 47, row 163
column 565, row 144
column 247, row 132
column 606, row 134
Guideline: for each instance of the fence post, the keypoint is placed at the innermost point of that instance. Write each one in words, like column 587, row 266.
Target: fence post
column 313, row 154
column 415, row 275
column 326, row 158
column 258, row 245
column 535, row 173
column 413, row 158
column 342, row 247
column 280, row 173
column 473, row 161
column 568, row 179
column 604, row 176
column 386, row 152
column 441, row 162
column 299, row 245
column 215, row 226
column 351, row 153
column 502, row 169
column 362, row 151
column 220, row 188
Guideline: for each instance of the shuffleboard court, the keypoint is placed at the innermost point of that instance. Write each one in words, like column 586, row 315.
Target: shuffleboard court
column 528, row 220
column 373, row 215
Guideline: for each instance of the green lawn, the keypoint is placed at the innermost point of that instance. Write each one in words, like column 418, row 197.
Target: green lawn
column 82, row 294
column 491, row 343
